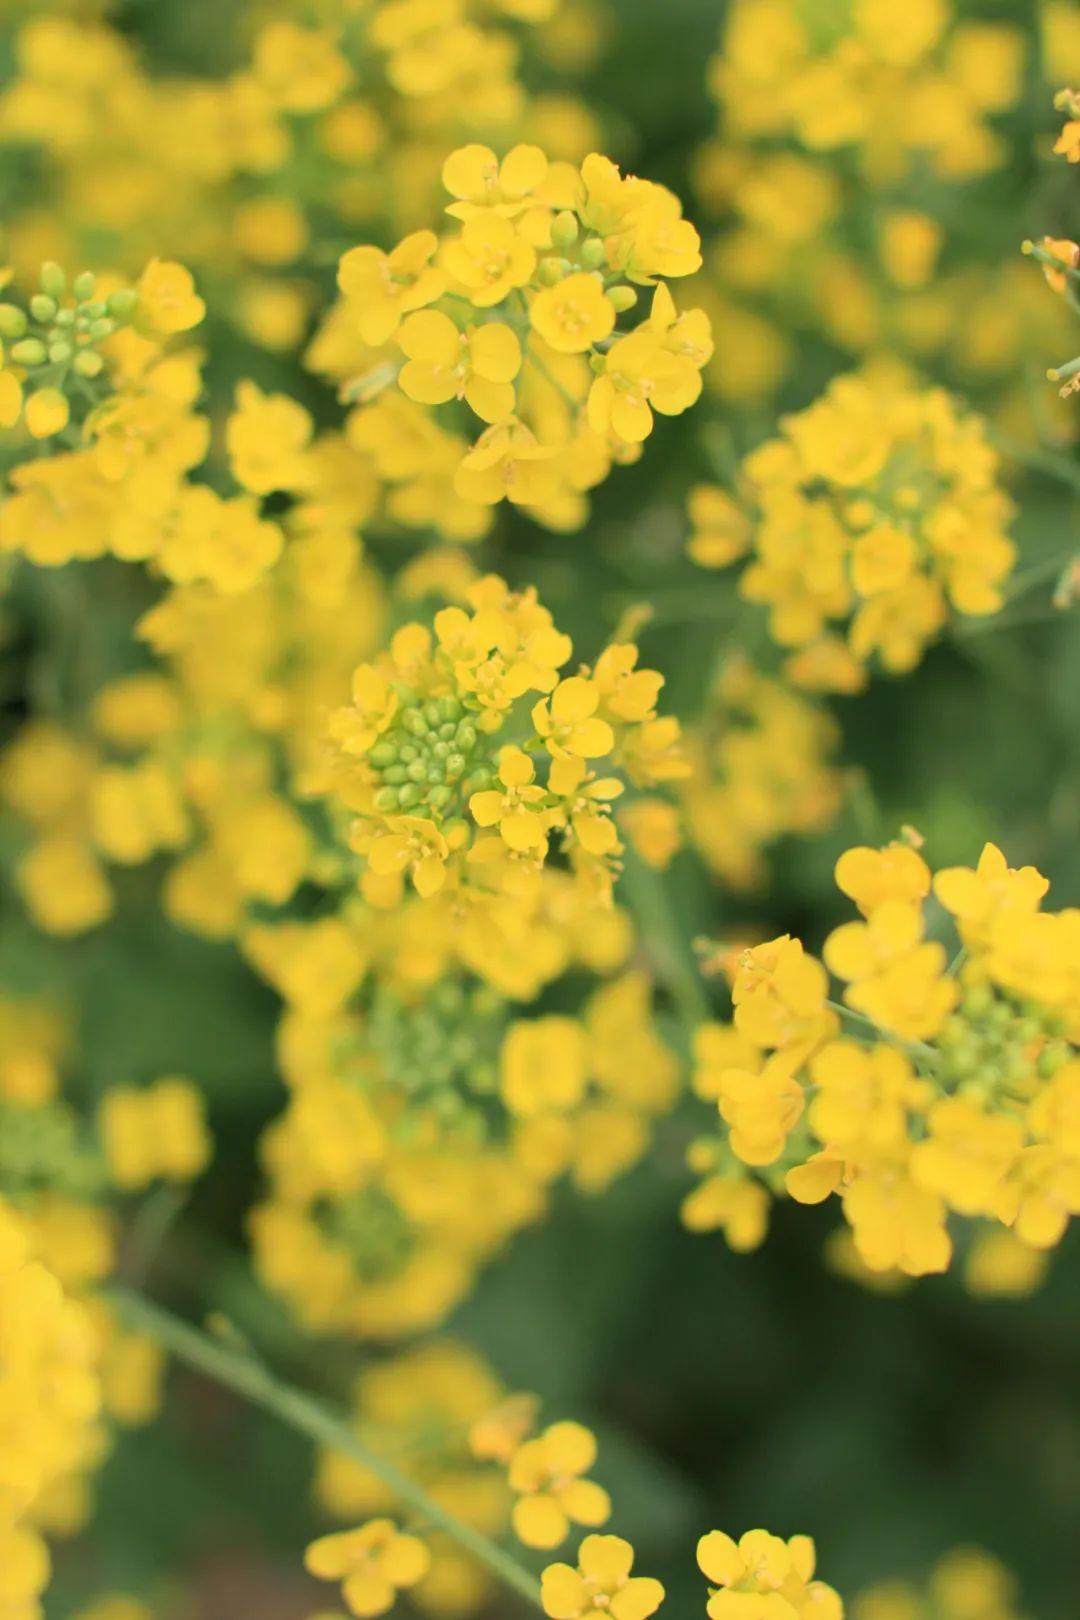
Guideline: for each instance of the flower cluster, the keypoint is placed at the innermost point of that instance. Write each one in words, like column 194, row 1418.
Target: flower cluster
column 50, row 1396
column 965, row 1584
column 761, row 766
column 953, row 1091
column 877, row 510
column 438, row 753
column 426, row 1124
column 513, row 313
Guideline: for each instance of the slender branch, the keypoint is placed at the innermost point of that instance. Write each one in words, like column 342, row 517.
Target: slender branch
column 664, row 939
column 1038, row 459
column 919, row 1050
column 311, row 1417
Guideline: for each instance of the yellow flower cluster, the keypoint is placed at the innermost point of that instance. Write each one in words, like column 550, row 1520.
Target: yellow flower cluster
column 762, row 1574
column 922, row 88
column 426, row 1125
column 761, row 767
column 513, row 313
column 965, row 1584
column 423, row 1406
column 954, row 1091
column 50, row 1397
column 878, row 510
column 442, row 804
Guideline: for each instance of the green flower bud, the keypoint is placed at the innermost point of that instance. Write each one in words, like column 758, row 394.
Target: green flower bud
column 121, row 304
column 29, row 352
column 621, row 298
column 414, row 722
column 395, row 775
column 89, row 363
column 1051, row 1059
column 64, row 317
column 439, row 796
column 101, row 329
column 43, row 308
column 564, row 229
column 408, row 796
column 386, row 800
column 95, row 309
column 60, row 352
column 593, row 253
column 598, row 364
column 449, row 708
column 383, row 753
column 416, row 771
column 12, row 321
column 433, row 714
column 83, row 285
column 453, row 766
column 52, row 279
column 978, row 1001
column 550, row 270
column 466, row 736
column 407, row 752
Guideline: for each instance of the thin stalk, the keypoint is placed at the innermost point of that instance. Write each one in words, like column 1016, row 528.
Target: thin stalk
column 918, row 1050
column 309, row 1416
column 660, row 932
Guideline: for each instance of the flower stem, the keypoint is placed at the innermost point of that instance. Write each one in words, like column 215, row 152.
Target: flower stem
column 920, row 1051
column 664, row 940
column 311, row 1417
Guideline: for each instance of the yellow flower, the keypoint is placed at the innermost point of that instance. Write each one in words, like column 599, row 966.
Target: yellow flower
column 895, row 1222
column 266, row 437
column 46, row 412
column 734, row 1204
column 546, row 1474
column 156, row 1132
column 568, row 723
column 381, row 288
column 415, row 844
column 543, row 1065
column 600, row 1585
column 478, row 365
column 168, row 299
column 513, row 810
column 720, row 528
column 474, row 176
column 640, row 376
column 872, row 876
column 489, row 259
column 301, row 69
column 574, row 314
column 506, row 462
column 761, row 1108
column 967, row 1154
column 373, row 1563
column 763, row 1577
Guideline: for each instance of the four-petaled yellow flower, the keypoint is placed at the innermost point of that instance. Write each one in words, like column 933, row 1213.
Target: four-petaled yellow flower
column 513, row 809
column 374, row 1563
column 574, row 314
column 568, row 722
column 546, row 1473
column 601, row 1585
column 478, row 365
column 383, row 287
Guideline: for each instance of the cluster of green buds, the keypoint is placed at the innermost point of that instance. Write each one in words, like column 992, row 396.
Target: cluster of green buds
column 373, row 1231
column 993, row 1046
column 431, row 758
column 51, row 348
column 43, row 1149
column 441, row 1056
column 576, row 250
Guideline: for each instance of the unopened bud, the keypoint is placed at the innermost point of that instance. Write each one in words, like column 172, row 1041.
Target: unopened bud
column 60, row 352
column 12, row 321
column 551, row 270
column 43, row 308
column 593, row 254
column 29, row 352
column 121, row 304
column 52, row 279
column 564, row 229
column 89, row 363
column 621, row 298
column 83, row 285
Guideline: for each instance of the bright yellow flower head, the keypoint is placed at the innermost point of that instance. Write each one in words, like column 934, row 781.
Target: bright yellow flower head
column 600, row 1585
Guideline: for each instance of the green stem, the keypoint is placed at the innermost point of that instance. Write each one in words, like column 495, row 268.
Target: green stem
column 664, row 940
column 918, row 1050
column 311, row 1417
column 1038, row 459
